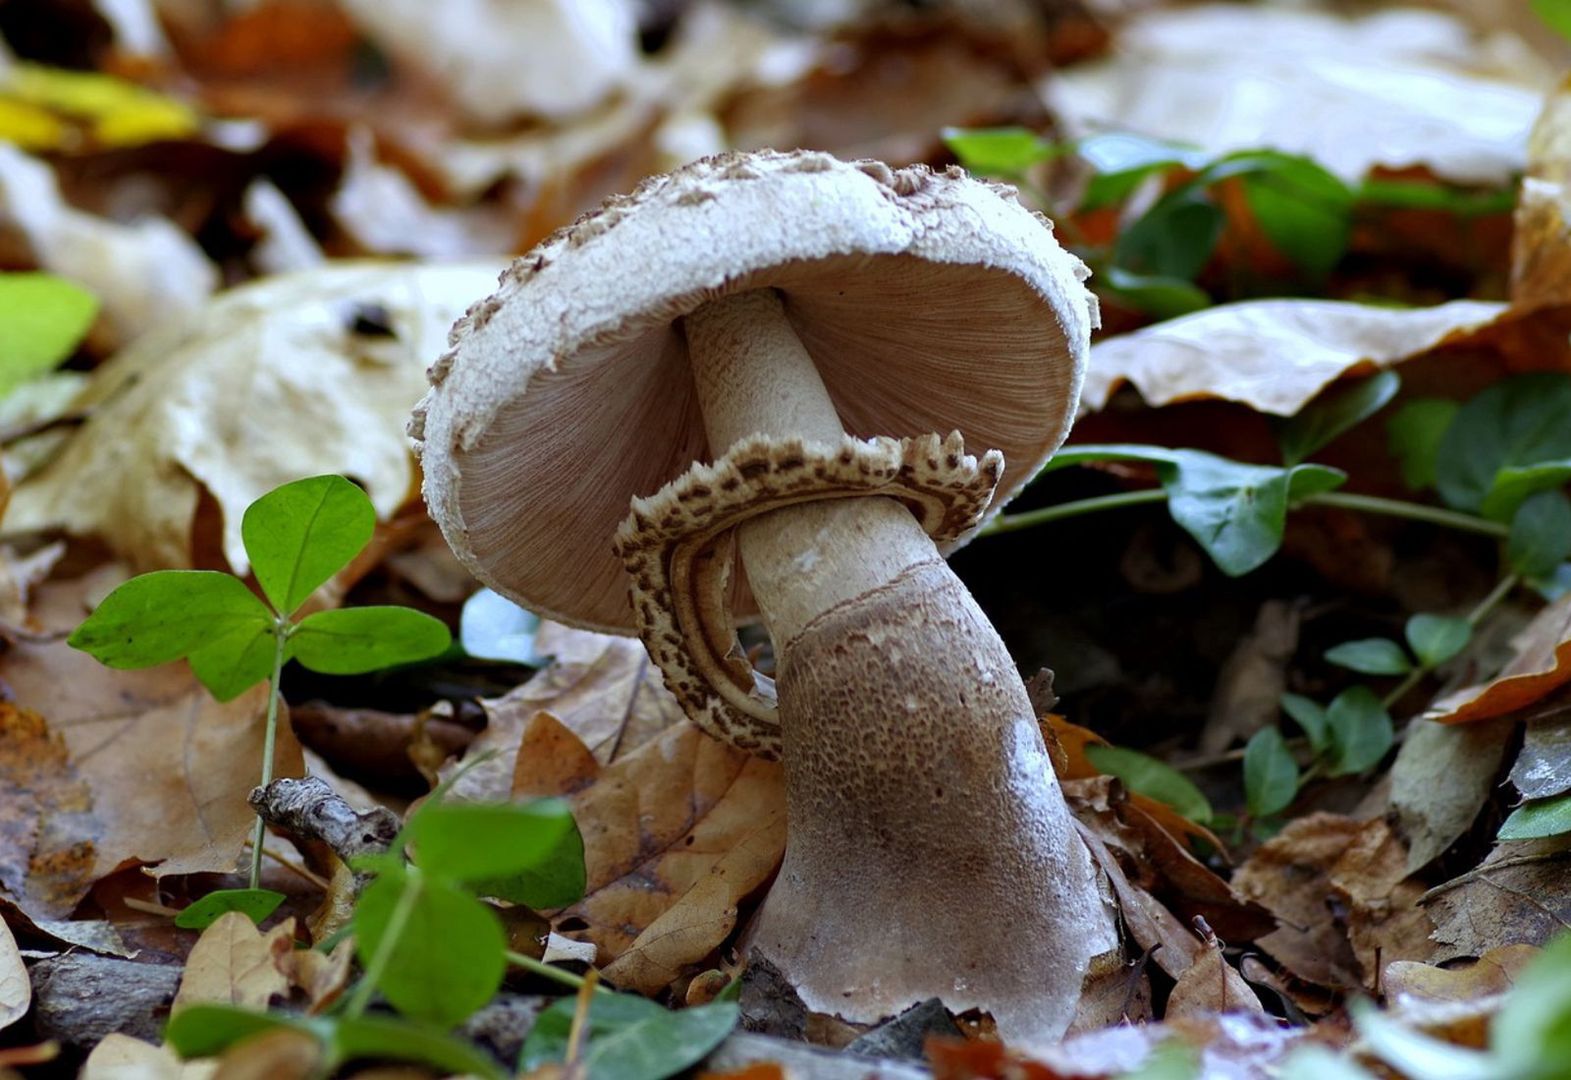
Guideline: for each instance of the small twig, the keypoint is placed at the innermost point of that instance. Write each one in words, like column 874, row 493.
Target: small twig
column 312, row 810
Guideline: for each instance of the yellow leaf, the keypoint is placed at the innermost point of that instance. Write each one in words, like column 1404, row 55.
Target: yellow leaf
column 121, row 113
column 29, row 126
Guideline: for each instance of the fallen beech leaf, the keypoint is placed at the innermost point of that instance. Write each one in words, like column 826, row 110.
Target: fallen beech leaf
column 1542, row 663
column 1519, row 895
column 120, row 1057
column 234, row 963
column 1290, row 875
column 1543, row 765
column 675, row 834
column 1493, row 973
column 1392, row 89
column 16, row 991
column 1211, row 985
column 281, row 1052
column 268, row 383
column 1384, row 919
column 322, row 976
column 127, row 766
column 1272, row 355
column 552, row 760
column 601, row 688
column 146, row 274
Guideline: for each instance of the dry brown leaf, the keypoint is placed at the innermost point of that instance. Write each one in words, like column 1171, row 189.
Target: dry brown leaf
column 120, row 1057
column 16, row 990
column 1211, row 985
column 1395, row 88
column 266, row 384
column 1441, row 779
column 1493, row 973
column 1540, row 252
column 280, row 1054
column 675, row 834
column 1384, row 919
column 552, row 760
column 125, row 766
column 1542, row 664
column 602, row 688
column 1542, row 768
column 1290, row 875
column 1248, row 693
column 234, row 963
column 322, row 976
column 1272, row 355
column 1519, row 895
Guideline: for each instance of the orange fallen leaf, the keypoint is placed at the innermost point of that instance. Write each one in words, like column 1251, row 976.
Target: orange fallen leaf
column 676, row 834
column 1542, row 664
column 760, row 1070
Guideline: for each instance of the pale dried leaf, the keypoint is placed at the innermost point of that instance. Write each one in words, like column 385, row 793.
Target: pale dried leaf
column 120, row 1057
column 1211, row 985
column 1383, row 918
column 1440, row 780
column 1394, row 89
column 1493, row 973
column 1543, row 765
column 1249, row 687
column 602, row 688
column 1540, row 253
column 675, row 834
column 1272, row 355
column 273, row 1055
column 1542, row 664
column 322, row 976
column 267, row 383
column 16, row 990
column 234, row 963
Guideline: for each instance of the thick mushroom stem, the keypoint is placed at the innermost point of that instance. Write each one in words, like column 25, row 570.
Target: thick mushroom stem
column 929, row 852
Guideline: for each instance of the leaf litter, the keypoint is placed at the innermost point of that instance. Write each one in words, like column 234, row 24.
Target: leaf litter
column 1257, row 899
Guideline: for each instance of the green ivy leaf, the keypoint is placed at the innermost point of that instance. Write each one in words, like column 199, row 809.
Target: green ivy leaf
column 1371, row 656
column 1537, row 819
column 1415, row 434
column 1311, row 717
column 528, row 853
column 1540, row 536
column 233, row 662
column 1515, row 484
column 1435, row 639
column 1334, row 412
column 1005, row 151
column 1152, row 778
column 1173, row 239
column 1160, row 297
column 1360, row 731
column 301, row 534
column 350, row 641
column 45, row 318
column 1555, row 14
column 163, row 616
column 1123, row 159
column 1531, row 1034
column 448, row 960
column 199, row 1031
column 1517, row 422
column 254, row 904
column 630, row 1038
column 1270, row 773
column 1305, row 211
column 382, row 1037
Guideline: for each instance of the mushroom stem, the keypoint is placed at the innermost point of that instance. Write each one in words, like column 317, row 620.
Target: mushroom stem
column 930, row 852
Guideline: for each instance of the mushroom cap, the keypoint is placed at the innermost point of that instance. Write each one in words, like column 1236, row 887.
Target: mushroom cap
column 929, row 302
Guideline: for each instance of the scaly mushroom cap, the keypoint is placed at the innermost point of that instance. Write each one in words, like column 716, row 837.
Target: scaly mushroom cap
column 930, row 302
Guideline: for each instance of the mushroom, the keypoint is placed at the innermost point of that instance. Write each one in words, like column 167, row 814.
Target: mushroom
column 762, row 352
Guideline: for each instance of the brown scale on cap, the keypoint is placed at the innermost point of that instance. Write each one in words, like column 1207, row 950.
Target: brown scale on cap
column 679, row 551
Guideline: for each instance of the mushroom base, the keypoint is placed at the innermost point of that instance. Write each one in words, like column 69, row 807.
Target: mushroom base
column 930, row 852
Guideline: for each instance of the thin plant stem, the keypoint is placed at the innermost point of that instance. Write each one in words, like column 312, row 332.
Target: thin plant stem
column 1369, row 504
column 402, row 912
column 540, row 967
column 269, row 744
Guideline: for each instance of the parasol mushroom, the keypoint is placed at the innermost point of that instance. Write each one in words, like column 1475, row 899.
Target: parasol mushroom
column 761, row 352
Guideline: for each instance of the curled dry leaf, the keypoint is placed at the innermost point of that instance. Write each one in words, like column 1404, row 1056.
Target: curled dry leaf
column 284, row 378
column 1542, row 664
column 602, row 688
column 1394, row 89
column 1493, row 973
column 1211, row 985
column 16, row 990
column 676, row 834
column 126, row 766
column 234, row 963
column 1540, row 255
column 1272, row 355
